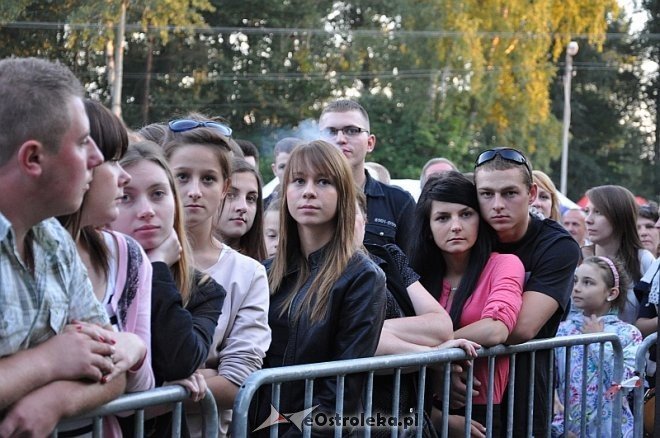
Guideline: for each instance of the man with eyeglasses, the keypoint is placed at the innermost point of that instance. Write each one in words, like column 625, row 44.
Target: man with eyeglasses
column 345, row 124
column 505, row 189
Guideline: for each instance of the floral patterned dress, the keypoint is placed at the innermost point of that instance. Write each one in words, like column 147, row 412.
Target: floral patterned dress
column 630, row 338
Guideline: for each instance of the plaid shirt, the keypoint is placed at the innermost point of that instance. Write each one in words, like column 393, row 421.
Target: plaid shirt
column 35, row 307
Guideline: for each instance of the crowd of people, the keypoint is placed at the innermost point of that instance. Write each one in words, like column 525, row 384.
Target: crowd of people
column 135, row 259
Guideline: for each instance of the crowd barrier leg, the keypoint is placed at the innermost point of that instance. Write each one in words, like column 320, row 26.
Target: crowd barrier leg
column 640, row 366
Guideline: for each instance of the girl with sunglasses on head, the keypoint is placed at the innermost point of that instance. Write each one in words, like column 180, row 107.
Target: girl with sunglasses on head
column 185, row 303
column 241, row 216
column 328, row 299
column 612, row 228
column 598, row 295
column 481, row 289
column 200, row 161
column 117, row 266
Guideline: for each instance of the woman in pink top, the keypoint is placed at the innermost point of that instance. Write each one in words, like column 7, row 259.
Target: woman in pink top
column 481, row 290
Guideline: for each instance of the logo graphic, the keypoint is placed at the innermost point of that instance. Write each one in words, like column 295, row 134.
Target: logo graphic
column 295, row 418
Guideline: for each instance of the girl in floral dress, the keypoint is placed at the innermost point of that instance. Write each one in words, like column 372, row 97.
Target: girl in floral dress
column 597, row 295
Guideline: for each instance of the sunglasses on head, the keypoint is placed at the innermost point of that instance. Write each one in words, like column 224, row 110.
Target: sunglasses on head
column 182, row 125
column 507, row 154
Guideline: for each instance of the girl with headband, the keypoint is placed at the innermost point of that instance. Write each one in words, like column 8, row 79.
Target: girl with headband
column 599, row 295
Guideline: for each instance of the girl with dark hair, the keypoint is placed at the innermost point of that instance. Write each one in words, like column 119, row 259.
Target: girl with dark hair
column 481, row 290
column 612, row 229
column 117, row 267
column 327, row 298
column 241, row 216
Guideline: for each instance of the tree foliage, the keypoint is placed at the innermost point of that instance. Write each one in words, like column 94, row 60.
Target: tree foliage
column 439, row 78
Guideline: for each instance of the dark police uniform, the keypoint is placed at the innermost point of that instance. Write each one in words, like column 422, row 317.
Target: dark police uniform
column 390, row 212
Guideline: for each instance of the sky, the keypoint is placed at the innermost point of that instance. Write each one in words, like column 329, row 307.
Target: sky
column 638, row 16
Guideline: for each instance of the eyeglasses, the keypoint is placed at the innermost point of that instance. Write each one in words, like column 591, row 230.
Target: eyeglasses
column 182, row 125
column 507, row 154
column 348, row 131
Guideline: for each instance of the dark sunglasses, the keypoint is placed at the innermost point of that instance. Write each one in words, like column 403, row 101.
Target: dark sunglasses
column 182, row 125
column 507, row 154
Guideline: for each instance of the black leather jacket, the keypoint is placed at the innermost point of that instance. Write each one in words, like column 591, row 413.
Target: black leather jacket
column 350, row 329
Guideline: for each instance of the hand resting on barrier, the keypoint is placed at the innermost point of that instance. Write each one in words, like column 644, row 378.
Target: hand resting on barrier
column 128, row 350
column 78, row 355
column 468, row 346
column 195, row 383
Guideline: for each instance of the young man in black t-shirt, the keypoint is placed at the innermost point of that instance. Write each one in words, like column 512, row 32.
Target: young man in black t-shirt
column 505, row 189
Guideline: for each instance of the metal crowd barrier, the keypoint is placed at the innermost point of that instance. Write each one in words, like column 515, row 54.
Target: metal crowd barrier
column 138, row 401
column 420, row 362
column 640, row 366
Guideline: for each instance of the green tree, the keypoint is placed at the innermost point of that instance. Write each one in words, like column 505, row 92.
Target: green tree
column 606, row 144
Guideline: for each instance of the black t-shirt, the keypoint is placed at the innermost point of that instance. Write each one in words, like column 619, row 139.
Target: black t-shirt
column 550, row 256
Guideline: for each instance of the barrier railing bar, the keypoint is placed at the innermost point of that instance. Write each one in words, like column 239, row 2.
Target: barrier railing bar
column 309, row 397
column 468, row 398
column 617, row 349
column 510, row 391
column 489, row 397
column 599, row 397
column 530, row 400
column 276, row 404
column 445, row 399
column 138, row 423
column 176, row 420
column 369, row 401
column 640, row 366
column 420, row 401
column 340, row 403
column 98, row 427
column 551, row 392
column 583, row 399
column 567, row 387
column 396, row 401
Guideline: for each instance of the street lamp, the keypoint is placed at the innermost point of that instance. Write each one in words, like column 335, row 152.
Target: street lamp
column 571, row 51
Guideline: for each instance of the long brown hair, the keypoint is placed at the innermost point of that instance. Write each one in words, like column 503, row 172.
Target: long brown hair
column 325, row 159
column 618, row 206
column 182, row 270
column 251, row 243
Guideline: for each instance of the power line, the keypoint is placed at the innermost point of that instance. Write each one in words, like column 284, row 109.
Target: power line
column 302, row 31
column 348, row 75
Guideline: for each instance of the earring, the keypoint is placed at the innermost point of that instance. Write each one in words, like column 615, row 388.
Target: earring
column 609, row 298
